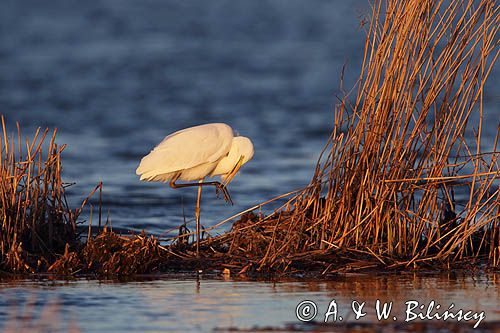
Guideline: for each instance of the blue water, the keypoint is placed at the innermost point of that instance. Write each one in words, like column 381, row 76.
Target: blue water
column 116, row 76
column 185, row 305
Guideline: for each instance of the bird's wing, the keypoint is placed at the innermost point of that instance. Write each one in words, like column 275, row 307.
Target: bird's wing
column 186, row 149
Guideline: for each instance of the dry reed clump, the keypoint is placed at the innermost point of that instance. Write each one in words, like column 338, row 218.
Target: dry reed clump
column 39, row 231
column 37, row 223
column 110, row 254
column 38, row 226
column 400, row 182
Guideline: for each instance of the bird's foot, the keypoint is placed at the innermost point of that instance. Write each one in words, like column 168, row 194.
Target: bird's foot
column 220, row 188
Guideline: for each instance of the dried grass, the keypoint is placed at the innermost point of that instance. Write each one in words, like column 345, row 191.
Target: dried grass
column 399, row 184
column 111, row 254
column 37, row 223
column 384, row 190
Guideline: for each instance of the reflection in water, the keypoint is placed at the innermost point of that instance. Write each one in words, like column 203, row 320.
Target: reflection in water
column 33, row 315
column 184, row 305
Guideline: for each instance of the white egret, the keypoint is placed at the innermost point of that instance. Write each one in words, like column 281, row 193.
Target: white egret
column 196, row 153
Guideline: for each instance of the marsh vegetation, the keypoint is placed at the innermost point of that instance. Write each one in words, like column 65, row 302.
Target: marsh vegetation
column 400, row 183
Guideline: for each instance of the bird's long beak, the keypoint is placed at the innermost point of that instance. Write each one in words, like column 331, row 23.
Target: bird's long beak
column 233, row 172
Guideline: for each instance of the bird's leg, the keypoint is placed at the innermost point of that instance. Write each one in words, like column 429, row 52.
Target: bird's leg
column 218, row 187
column 197, row 214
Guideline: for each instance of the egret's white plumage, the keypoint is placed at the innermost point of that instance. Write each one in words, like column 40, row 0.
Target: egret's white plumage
column 195, row 153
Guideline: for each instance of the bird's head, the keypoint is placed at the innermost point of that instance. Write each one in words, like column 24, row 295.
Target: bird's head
column 241, row 152
column 242, row 148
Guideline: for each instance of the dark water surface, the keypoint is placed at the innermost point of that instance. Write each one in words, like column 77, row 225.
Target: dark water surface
column 116, row 76
column 186, row 305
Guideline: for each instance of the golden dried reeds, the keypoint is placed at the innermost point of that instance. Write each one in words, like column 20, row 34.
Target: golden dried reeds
column 109, row 254
column 37, row 223
column 399, row 153
column 400, row 182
